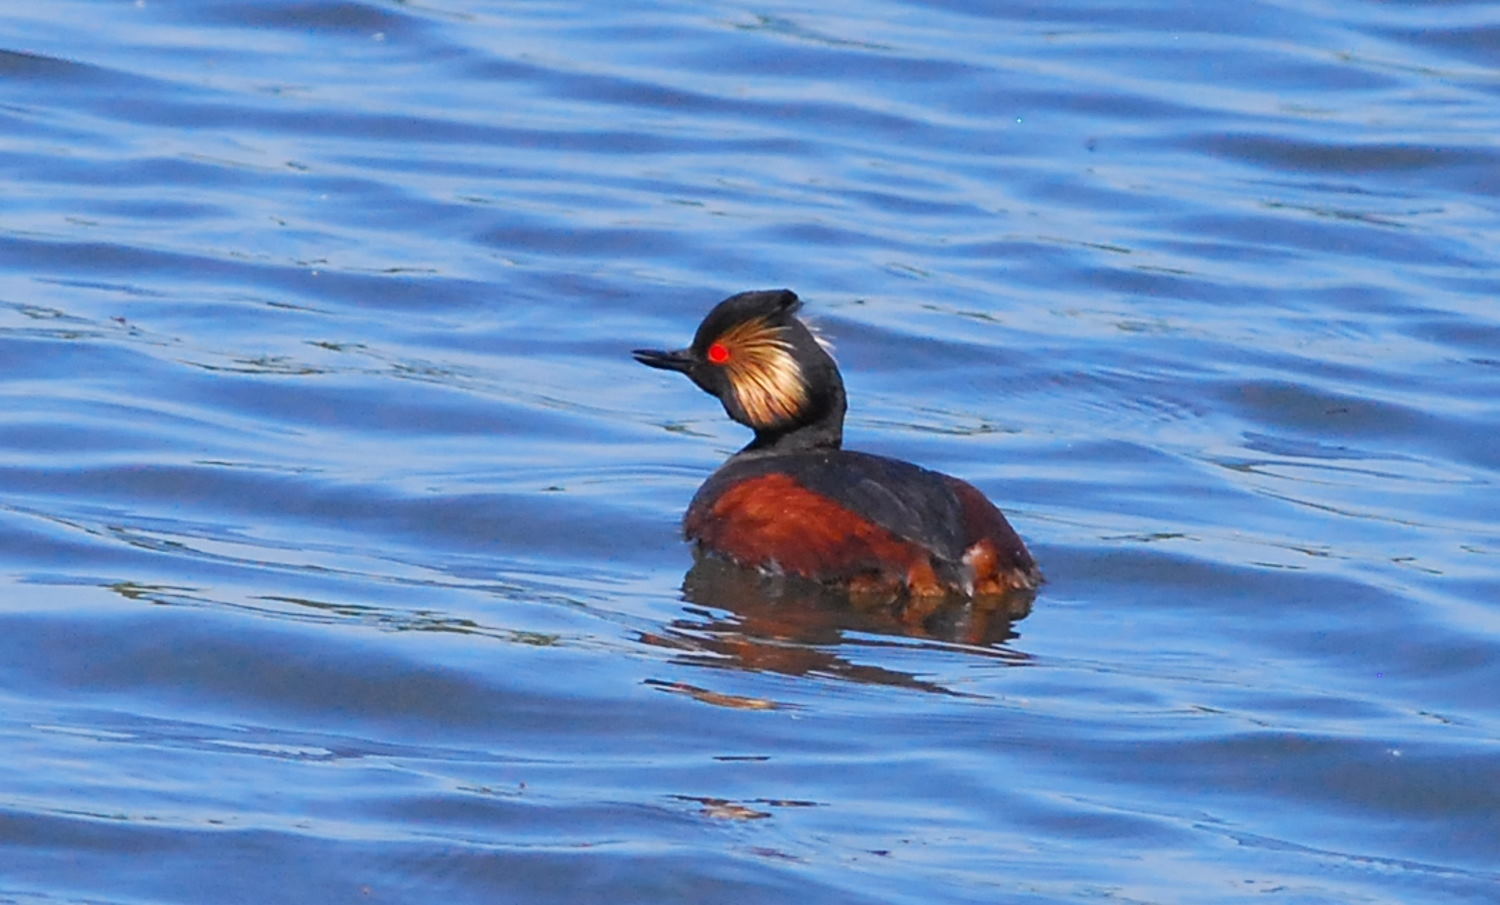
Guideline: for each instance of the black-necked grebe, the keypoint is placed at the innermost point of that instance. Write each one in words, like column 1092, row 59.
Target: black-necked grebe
column 793, row 501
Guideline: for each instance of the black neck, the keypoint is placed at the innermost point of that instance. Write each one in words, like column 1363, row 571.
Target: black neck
column 823, row 432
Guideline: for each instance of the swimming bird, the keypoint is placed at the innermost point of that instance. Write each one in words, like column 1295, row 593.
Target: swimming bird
column 795, row 502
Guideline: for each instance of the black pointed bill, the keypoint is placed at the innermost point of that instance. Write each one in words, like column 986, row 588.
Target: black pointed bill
column 678, row 360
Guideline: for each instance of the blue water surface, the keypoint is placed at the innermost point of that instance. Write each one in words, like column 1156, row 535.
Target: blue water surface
column 339, row 557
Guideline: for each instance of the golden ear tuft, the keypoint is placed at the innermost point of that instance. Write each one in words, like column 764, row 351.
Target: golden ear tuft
column 763, row 373
column 816, row 330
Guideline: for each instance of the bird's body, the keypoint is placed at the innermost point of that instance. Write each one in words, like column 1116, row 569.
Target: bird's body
column 795, row 502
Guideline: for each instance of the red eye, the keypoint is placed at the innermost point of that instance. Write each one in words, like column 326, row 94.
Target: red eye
column 718, row 353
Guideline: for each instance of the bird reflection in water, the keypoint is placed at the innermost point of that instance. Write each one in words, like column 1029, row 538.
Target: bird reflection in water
column 746, row 619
